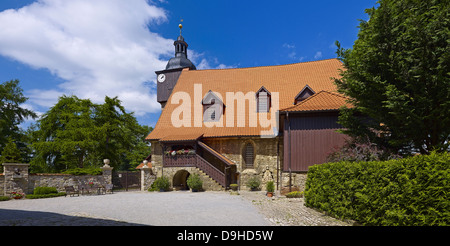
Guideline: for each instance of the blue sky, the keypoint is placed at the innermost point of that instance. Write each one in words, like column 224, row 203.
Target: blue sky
column 93, row 48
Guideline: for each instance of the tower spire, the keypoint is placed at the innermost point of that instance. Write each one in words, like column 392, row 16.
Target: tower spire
column 181, row 26
column 181, row 58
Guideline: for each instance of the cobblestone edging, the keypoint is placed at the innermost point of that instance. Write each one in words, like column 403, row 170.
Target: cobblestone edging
column 282, row 211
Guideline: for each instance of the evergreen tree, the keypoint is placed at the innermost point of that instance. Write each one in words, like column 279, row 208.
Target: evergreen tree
column 10, row 154
column 76, row 133
column 12, row 114
column 397, row 76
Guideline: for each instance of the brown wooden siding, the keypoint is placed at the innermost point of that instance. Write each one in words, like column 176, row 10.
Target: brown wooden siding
column 312, row 138
column 165, row 89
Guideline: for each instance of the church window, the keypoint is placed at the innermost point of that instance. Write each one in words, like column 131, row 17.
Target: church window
column 263, row 100
column 249, row 155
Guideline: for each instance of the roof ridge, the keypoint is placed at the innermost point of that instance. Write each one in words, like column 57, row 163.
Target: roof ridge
column 266, row 66
column 335, row 94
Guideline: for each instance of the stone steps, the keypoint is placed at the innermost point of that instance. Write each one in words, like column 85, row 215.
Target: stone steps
column 209, row 183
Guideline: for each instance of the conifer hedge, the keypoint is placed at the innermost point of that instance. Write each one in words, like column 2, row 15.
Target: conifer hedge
column 411, row 191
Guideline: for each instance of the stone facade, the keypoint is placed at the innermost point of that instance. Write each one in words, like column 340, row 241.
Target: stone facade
column 208, row 183
column 267, row 162
column 16, row 178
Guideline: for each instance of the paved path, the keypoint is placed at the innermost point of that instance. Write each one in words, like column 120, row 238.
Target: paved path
column 178, row 208
column 135, row 208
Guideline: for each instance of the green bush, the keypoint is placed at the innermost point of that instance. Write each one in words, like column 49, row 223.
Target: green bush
column 4, row 198
column 294, row 194
column 270, row 187
column 44, row 190
column 195, row 182
column 84, row 171
column 410, row 191
column 38, row 196
column 161, row 184
column 253, row 183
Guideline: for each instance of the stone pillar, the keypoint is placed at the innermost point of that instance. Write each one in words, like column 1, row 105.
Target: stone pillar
column 147, row 176
column 15, row 178
column 107, row 172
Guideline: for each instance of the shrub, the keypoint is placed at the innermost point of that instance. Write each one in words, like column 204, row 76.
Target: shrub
column 4, row 198
column 253, row 183
column 84, row 171
column 194, row 182
column 410, row 191
column 38, row 196
column 360, row 151
column 294, row 194
column 270, row 187
column 161, row 183
column 44, row 190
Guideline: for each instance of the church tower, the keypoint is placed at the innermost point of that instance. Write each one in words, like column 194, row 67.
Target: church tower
column 167, row 78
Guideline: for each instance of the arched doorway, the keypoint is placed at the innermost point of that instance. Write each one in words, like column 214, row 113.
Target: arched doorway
column 179, row 180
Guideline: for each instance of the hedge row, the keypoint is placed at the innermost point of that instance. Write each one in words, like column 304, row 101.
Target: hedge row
column 84, row 171
column 39, row 196
column 44, row 192
column 410, row 191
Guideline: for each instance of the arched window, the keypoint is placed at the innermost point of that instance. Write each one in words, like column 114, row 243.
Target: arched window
column 249, row 155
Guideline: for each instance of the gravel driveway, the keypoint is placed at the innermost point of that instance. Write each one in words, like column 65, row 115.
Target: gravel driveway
column 180, row 208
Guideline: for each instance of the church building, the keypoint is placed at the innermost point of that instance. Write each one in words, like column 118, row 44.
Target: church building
column 229, row 125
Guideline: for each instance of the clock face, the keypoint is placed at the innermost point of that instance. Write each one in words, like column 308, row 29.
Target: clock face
column 161, row 78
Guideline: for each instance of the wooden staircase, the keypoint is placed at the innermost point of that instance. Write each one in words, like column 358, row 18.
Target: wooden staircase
column 211, row 164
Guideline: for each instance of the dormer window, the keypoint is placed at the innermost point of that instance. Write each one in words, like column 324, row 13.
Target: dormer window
column 212, row 107
column 263, row 100
column 303, row 94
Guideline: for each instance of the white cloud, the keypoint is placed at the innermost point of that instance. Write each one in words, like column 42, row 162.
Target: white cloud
column 101, row 47
column 206, row 63
column 318, row 55
column 292, row 53
column 289, row 46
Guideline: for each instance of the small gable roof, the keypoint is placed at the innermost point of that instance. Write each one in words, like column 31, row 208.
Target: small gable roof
column 305, row 89
column 209, row 96
column 322, row 101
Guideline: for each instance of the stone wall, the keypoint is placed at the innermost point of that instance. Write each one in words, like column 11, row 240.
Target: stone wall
column 16, row 178
column 2, row 186
column 297, row 179
column 60, row 180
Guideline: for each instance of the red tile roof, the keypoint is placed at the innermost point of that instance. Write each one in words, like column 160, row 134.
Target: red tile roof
column 322, row 101
column 287, row 80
